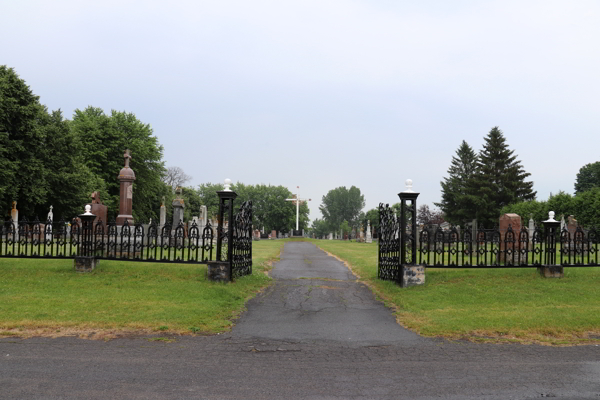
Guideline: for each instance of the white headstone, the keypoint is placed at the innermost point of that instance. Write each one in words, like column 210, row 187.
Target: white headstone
column 369, row 238
column 531, row 228
column 50, row 215
column 330, row 236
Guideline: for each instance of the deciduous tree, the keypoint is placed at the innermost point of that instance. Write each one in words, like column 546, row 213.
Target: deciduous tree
column 341, row 204
column 103, row 140
column 588, row 177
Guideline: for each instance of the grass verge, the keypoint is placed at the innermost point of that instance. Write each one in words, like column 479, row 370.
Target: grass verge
column 47, row 297
column 498, row 305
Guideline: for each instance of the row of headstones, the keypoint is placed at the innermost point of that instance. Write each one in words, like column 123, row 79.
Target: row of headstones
column 363, row 237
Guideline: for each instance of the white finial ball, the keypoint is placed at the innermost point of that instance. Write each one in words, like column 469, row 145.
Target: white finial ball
column 88, row 209
column 409, row 184
column 227, row 185
column 551, row 215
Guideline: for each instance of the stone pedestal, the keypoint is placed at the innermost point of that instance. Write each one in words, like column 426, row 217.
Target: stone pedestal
column 412, row 275
column 551, row 271
column 218, row 271
column 85, row 264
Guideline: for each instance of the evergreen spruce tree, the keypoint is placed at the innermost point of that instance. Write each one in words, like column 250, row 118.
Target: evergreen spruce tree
column 499, row 179
column 457, row 203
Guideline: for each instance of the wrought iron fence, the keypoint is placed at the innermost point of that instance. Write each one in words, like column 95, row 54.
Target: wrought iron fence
column 495, row 249
column 487, row 248
column 138, row 242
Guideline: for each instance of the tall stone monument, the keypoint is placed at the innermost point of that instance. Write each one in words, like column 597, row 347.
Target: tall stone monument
column 163, row 214
column 14, row 214
column 369, row 238
column 178, row 207
column 126, row 176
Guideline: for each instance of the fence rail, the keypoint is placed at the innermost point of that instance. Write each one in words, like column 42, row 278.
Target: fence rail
column 495, row 249
column 139, row 242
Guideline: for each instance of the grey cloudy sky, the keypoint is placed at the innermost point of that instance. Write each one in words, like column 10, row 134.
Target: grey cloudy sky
column 325, row 93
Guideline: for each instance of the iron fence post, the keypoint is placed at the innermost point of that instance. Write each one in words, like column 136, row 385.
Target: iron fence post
column 550, row 269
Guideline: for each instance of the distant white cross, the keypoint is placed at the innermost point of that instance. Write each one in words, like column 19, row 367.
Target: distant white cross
column 298, row 200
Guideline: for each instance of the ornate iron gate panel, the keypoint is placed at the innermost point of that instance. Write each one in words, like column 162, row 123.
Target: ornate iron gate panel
column 241, row 260
column 389, row 244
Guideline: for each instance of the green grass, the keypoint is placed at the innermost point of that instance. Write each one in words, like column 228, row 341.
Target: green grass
column 514, row 304
column 47, row 297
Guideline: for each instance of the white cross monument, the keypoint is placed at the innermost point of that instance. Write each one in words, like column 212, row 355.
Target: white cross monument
column 297, row 200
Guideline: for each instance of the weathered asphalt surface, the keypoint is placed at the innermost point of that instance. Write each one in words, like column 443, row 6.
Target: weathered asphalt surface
column 315, row 334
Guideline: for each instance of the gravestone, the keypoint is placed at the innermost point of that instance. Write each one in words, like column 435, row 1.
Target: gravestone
column 362, row 234
column 572, row 225
column 514, row 221
column 203, row 216
column 178, row 207
column 14, row 214
column 126, row 177
column 330, row 236
column 99, row 210
column 49, row 220
column 531, row 227
column 563, row 224
column 163, row 215
column 273, row 234
column 369, row 238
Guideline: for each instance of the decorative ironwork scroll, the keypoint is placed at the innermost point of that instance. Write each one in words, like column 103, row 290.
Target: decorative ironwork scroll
column 241, row 261
column 389, row 244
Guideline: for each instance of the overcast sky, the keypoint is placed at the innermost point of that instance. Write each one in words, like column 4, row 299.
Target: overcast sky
column 321, row 94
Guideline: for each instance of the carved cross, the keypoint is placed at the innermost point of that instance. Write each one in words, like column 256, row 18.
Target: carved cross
column 127, row 157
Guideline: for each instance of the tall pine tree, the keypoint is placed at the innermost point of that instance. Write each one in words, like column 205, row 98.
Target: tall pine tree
column 499, row 179
column 457, row 203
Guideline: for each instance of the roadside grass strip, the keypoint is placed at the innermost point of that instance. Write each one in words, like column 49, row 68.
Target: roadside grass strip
column 497, row 305
column 46, row 297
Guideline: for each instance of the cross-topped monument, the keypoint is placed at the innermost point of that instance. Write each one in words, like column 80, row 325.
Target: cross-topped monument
column 297, row 201
column 126, row 177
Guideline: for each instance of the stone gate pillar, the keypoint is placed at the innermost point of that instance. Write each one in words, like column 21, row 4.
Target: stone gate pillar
column 411, row 274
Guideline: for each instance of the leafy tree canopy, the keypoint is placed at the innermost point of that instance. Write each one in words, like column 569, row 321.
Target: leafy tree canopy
column 40, row 160
column 269, row 206
column 103, row 139
column 341, row 204
column 588, row 177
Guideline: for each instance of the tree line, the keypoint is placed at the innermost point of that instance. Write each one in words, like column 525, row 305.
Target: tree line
column 493, row 182
column 46, row 160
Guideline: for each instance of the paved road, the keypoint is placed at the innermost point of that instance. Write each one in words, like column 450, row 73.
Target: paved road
column 315, row 334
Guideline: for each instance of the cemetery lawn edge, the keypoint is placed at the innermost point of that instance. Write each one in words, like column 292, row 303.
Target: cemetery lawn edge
column 486, row 305
column 46, row 297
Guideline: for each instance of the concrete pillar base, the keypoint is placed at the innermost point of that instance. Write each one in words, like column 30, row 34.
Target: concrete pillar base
column 551, row 271
column 85, row 264
column 218, row 271
column 412, row 275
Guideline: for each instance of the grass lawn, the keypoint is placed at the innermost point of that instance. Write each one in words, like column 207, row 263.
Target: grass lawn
column 47, row 297
column 487, row 304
